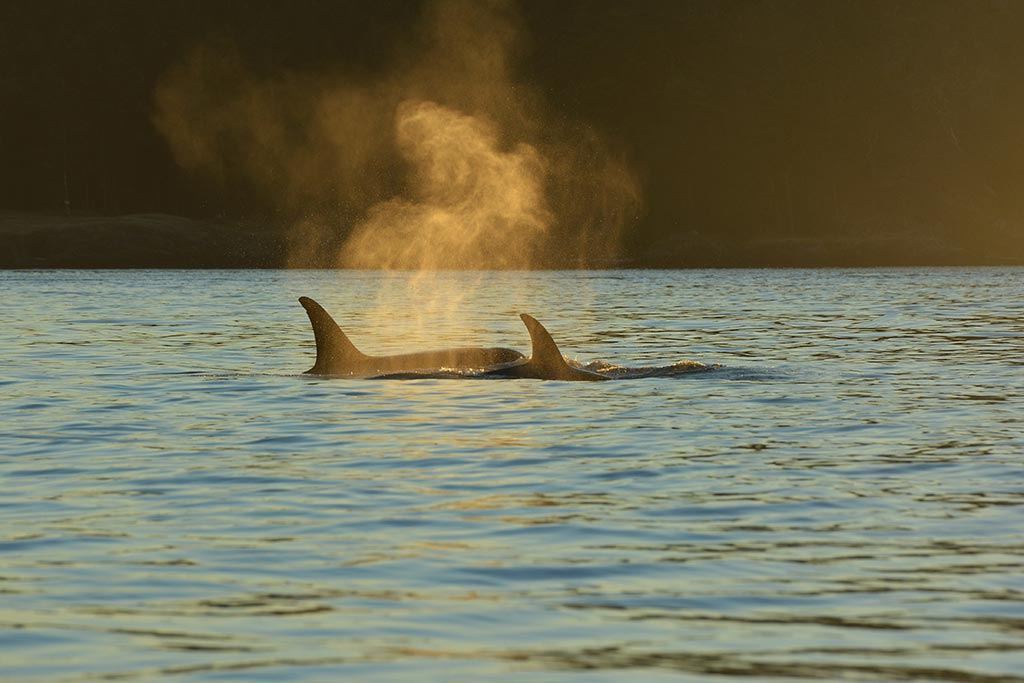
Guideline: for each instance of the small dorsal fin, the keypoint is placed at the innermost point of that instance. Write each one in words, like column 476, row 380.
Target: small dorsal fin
column 545, row 355
column 334, row 352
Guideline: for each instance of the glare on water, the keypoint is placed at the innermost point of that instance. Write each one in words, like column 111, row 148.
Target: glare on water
column 838, row 497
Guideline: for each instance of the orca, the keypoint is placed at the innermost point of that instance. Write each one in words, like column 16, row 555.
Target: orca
column 336, row 355
column 545, row 361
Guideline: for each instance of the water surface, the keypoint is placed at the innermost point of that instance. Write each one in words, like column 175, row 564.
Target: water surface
column 842, row 499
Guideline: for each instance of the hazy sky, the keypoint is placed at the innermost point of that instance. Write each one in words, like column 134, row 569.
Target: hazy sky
column 678, row 130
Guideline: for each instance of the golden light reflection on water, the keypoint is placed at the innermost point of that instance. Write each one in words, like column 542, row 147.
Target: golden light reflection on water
column 827, row 505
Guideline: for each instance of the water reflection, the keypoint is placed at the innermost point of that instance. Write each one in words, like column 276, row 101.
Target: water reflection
column 840, row 499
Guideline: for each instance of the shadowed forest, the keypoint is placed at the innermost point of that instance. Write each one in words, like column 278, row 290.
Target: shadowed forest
column 719, row 132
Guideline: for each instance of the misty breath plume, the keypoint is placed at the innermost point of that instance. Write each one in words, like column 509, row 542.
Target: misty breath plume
column 440, row 160
column 470, row 204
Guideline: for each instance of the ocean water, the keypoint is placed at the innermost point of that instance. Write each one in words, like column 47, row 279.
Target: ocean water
column 839, row 497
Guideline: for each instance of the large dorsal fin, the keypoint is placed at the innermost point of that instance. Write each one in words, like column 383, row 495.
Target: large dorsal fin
column 545, row 355
column 334, row 352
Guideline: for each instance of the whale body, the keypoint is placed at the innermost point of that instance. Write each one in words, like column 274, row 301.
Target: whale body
column 337, row 355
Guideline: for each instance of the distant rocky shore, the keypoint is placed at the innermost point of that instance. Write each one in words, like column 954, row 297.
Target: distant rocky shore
column 37, row 240
column 874, row 249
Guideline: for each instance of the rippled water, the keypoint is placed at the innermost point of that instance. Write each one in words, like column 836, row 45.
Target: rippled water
column 842, row 499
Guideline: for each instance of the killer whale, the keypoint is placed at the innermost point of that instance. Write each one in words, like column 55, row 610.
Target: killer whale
column 337, row 355
column 545, row 361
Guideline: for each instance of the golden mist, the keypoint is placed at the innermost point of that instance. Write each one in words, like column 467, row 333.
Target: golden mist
column 443, row 159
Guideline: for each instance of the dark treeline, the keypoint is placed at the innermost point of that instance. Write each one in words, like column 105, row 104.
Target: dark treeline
column 753, row 123
column 793, row 119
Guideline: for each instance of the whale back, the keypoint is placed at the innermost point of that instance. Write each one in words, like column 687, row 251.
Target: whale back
column 337, row 355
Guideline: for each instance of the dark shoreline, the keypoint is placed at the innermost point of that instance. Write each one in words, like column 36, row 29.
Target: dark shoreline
column 161, row 241
column 152, row 240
